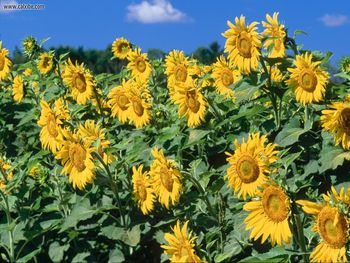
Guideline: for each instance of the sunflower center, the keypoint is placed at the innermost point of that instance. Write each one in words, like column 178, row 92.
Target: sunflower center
column 2, row 62
column 122, row 101
column 274, row 203
column 192, row 101
column 184, row 252
column 77, row 155
column 141, row 65
column 181, row 73
column 227, row 78
column 46, row 62
column 166, row 179
column 247, row 169
column 244, row 45
column 142, row 192
column 308, row 80
column 138, row 108
column 334, row 235
column 345, row 120
column 51, row 125
column 80, row 82
column 123, row 48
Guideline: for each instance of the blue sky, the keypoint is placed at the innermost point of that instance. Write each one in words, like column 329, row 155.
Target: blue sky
column 172, row 24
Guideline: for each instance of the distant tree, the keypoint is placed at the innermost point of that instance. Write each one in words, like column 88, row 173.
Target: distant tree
column 155, row 53
column 208, row 55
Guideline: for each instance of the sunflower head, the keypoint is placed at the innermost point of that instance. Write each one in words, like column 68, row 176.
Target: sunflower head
column 243, row 45
column 18, row 88
column 345, row 64
column 5, row 63
column 307, row 79
column 166, row 178
column 30, row 46
column 45, row 64
column 275, row 33
column 119, row 101
column 249, row 165
column 269, row 215
column 143, row 190
column 336, row 119
column 139, row 64
column 121, row 48
column 180, row 245
column 79, row 80
column 6, row 173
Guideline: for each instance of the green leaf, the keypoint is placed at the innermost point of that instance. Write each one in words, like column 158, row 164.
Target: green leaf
column 291, row 132
column 29, row 256
column 195, row 137
column 116, row 256
column 112, row 232
column 289, row 159
column 132, row 237
column 331, row 158
column 80, row 257
column 56, row 251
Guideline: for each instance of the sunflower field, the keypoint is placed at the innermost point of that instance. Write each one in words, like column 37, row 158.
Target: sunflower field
column 171, row 160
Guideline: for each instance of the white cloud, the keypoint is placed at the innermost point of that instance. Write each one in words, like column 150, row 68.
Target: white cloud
column 7, row 2
column 157, row 11
column 334, row 20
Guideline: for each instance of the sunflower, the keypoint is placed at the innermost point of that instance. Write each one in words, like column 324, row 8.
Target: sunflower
column 345, row 64
column 45, row 63
column 269, row 215
column 276, row 36
column 225, row 76
column 307, row 80
column 18, row 88
column 242, row 45
column 166, row 178
column 121, row 48
column 143, row 190
column 336, row 119
column 192, row 103
column 94, row 133
column 139, row 64
column 30, row 46
column 76, row 158
column 139, row 105
column 51, row 121
column 178, row 70
column 332, row 226
column 249, row 165
column 6, row 174
column 5, row 62
column 200, row 72
column 27, row 72
column 180, row 245
column 118, row 101
column 79, row 80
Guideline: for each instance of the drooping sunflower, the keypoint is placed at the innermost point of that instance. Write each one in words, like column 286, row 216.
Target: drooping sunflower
column 139, row 64
column 121, row 48
column 45, row 63
column 118, row 101
column 79, row 80
column 18, row 88
column 5, row 63
column 332, row 226
column 92, row 131
column 139, row 105
column 27, row 72
column 50, row 121
column 178, row 70
column 143, row 190
column 180, row 247
column 200, row 72
column 166, row 178
column 336, row 119
column 243, row 45
column 307, row 79
column 6, row 173
column 276, row 35
column 192, row 103
column 269, row 215
column 76, row 158
column 249, row 165
column 225, row 75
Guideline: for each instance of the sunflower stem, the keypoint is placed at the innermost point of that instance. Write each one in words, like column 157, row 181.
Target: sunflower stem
column 306, row 111
column 114, row 188
column 10, row 229
column 215, row 111
column 300, row 231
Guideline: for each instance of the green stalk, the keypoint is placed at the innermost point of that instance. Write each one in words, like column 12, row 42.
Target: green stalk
column 114, row 188
column 9, row 222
